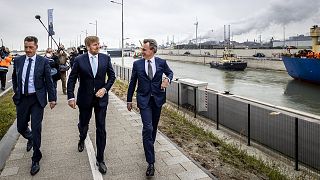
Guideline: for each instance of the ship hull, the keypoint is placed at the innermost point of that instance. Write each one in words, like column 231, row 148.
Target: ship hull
column 233, row 66
column 306, row 69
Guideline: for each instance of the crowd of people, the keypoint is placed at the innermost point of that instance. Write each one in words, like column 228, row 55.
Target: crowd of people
column 60, row 62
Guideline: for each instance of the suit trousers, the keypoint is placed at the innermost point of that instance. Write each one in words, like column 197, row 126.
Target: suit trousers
column 83, row 126
column 150, row 118
column 29, row 107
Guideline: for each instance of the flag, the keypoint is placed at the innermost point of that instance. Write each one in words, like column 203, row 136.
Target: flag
column 50, row 22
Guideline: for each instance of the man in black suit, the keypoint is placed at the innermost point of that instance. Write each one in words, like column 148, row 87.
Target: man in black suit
column 92, row 69
column 151, row 95
column 31, row 80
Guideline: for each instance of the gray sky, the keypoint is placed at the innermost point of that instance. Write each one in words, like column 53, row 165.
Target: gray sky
column 156, row 19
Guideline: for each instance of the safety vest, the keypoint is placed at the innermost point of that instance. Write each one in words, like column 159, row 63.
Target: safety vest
column 5, row 63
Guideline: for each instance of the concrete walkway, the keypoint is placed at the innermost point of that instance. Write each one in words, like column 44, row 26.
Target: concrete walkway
column 124, row 154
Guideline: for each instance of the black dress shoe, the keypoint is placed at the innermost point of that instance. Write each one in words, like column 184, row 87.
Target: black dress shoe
column 34, row 168
column 150, row 170
column 29, row 145
column 80, row 146
column 102, row 167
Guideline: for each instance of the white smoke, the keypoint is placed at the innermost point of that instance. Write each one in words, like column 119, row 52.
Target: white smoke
column 278, row 13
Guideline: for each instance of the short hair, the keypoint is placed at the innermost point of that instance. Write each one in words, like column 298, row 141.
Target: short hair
column 31, row 39
column 90, row 39
column 152, row 43
column 49, row 50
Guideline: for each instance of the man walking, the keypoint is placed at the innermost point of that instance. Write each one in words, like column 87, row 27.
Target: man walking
column 92, row 69
column 31, row 80
column 151, row 95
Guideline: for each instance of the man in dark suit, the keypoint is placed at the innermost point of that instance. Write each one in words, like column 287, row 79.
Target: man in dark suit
column 31, row 80
column 151, row 95
column 92, row 69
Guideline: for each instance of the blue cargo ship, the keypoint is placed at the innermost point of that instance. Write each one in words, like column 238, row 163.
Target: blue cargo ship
column 305, row 65
column 306, row 69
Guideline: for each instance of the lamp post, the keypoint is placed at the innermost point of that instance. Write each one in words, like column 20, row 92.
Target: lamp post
column 85, row 32
column 96, row 24
column 122, row 60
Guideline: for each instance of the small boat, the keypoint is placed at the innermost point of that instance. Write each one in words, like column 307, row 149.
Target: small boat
column 229, row 62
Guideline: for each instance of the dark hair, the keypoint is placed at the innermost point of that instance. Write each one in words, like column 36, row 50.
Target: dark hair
column 152, row 43
column 31, row 39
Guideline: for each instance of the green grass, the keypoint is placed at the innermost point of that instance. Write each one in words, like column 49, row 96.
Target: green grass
column 7, row 113
column 177, row 125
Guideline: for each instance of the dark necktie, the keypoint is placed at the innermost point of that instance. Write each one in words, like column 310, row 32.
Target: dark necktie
column 150, row 73
column 26, row 81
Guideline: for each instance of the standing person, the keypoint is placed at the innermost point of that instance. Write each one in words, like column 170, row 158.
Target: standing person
column 73, row 55
column 54, row 65
column 63, row 67
column 4, row 66
column 32, row 82
column 151, row 95
column 92, row 68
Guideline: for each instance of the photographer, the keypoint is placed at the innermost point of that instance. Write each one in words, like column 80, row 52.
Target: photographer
column 54, row 65
column 3, row 52
column 63, row 67
column 73, row 55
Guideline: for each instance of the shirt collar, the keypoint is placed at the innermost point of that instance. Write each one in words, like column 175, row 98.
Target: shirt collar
column 152, row 60
column 33, row 57
column 90, row 55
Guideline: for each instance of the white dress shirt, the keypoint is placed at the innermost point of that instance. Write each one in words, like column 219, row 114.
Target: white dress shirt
column 153, row 65
column 31, row 88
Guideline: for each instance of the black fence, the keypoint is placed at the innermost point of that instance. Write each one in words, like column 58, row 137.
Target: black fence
column 291, row 133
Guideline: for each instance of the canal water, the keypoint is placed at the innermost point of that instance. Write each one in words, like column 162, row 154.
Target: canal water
column 273, row 87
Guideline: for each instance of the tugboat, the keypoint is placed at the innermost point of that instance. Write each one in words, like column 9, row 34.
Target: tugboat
column 229, row 62
column 305, row 65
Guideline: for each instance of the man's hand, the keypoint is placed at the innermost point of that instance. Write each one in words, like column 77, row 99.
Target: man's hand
column 129, row 106
column 101, row 92
column 52, row 104
column 72, row 103
column 165, row 83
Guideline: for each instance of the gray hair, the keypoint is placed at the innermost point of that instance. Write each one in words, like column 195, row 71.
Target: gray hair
column 152, row 43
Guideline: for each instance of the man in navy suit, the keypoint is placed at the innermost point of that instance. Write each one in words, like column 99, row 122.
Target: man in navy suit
column 31, row 80
column 92, row 69
column 151, row 95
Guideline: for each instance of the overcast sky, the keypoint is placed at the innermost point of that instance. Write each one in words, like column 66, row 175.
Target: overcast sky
column 156, row 19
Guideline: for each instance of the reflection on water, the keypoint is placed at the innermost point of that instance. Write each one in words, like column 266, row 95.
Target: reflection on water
column 273, row 87
column 304, row 95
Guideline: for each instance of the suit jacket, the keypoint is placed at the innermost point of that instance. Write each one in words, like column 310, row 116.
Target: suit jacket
column 42, row 80
column 146, row 87
column 89, row 84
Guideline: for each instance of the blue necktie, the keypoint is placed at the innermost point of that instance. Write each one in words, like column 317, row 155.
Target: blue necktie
column 94, row 65
column 26, row 81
